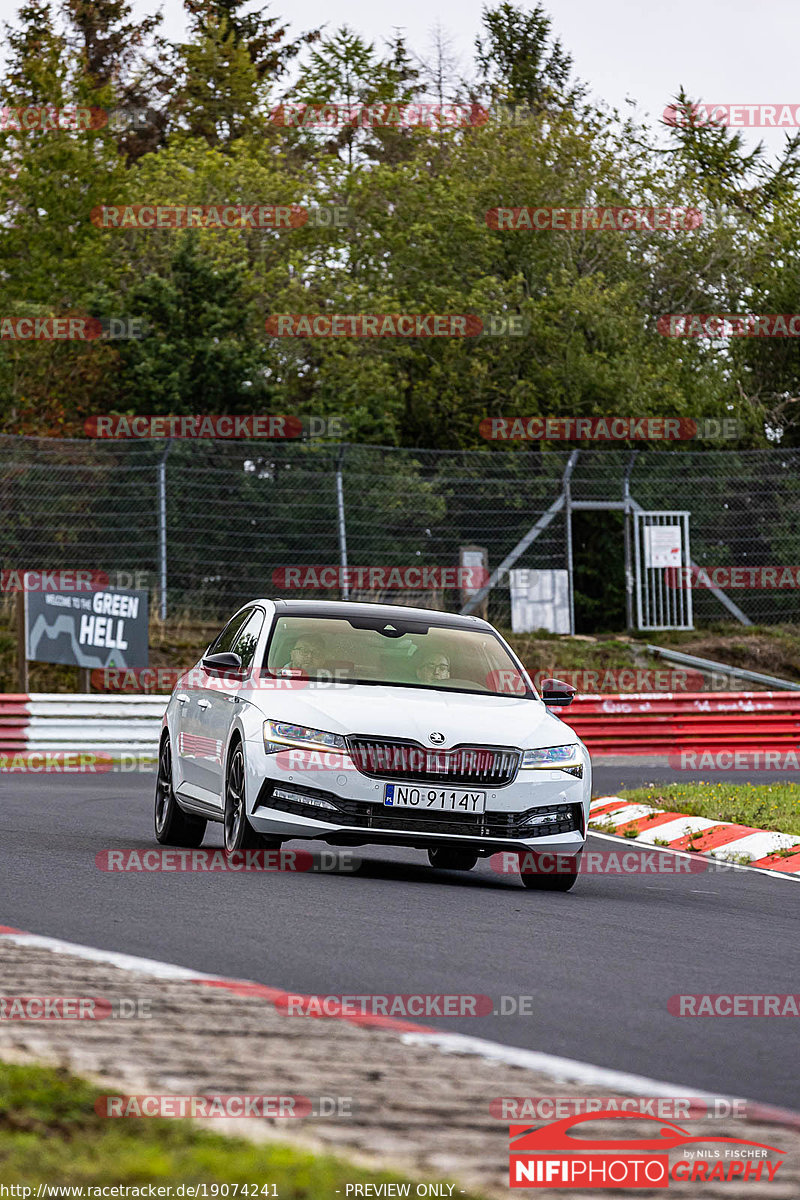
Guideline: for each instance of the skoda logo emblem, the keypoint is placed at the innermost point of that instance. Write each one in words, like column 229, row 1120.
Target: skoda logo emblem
column 437, row 738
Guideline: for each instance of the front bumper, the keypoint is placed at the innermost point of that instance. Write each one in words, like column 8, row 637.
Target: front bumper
column 360, row 817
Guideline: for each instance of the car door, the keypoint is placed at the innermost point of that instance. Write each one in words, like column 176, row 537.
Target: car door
column 224, row 696
column 195, row 744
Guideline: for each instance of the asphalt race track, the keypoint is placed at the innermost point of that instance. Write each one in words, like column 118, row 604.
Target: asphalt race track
column 599, row 962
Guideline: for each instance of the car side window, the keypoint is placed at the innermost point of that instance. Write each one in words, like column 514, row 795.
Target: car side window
column 245, row 644
column 228, row 636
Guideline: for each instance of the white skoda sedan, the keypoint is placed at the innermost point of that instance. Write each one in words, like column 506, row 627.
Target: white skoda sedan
column 365, row 723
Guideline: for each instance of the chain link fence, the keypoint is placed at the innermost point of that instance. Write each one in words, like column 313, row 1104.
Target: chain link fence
column 219, row 520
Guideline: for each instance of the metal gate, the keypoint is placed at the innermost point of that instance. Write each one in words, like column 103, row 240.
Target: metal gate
column 663, row 569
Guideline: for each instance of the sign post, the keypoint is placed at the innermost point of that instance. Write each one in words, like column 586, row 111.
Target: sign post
column 476, row 557
column 22, row 658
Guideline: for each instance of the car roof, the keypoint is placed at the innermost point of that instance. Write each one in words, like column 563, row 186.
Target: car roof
column 387, row 612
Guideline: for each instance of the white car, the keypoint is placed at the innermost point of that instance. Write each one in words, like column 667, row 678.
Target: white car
column 366, row 723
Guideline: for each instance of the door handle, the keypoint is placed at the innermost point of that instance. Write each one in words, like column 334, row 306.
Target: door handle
column 204, row 704
column 181, row 697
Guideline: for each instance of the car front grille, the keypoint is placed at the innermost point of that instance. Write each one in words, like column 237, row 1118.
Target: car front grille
column 481, row 766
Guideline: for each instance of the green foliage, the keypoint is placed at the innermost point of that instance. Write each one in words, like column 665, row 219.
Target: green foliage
column 774, row 806
column 417, row 239
column 521, row 62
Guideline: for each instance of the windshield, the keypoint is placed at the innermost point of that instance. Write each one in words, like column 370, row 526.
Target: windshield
column 406, row 653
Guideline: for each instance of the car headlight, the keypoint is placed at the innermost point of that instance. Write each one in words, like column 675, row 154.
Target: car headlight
column 554, row 758
column 280, row 734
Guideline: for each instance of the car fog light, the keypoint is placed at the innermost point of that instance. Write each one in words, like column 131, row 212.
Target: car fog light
column 548, row 818
column 299, row 798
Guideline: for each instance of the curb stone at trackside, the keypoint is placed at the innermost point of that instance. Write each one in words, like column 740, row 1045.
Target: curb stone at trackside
column 724, row 841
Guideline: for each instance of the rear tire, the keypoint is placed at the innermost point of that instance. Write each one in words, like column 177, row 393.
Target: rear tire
column 451, row 858
column 238, row 832
column 563, row 881
column 173, row 826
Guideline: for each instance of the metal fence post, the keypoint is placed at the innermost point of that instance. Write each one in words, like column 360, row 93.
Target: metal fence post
column 162, row 530
column 567, row 484
column 627, row 518
column 530, row 537
column 342, row 525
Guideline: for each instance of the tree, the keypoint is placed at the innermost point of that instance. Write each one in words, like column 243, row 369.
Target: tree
column 198, row 354
column 228, row 67
column 37, row 68
column 263, row 37
column 119, row 61
column 521, row 63
column 50, row 253
column 346, row 76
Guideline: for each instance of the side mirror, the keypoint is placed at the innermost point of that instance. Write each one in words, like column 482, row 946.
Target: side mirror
column 216, row 664
column 557, row 694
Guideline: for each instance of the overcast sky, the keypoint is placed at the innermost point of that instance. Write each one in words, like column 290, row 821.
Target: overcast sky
column 721, row 50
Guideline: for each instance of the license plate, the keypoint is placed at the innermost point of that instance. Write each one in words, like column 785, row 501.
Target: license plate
column 396, row 795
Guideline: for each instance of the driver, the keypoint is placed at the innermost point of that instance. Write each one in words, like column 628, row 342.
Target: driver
column 433, row 668
column 305, row 655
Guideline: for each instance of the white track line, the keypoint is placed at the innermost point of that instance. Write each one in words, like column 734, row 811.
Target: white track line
column 125, row 962
column 729, row 866
column 562, row 1069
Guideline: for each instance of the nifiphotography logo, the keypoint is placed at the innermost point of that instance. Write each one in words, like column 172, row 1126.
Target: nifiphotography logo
column 556, row 1156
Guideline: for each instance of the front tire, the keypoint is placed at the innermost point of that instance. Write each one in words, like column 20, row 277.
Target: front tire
column 451, row 858
column 239, row 833
column 562, row 881
column 173, row 826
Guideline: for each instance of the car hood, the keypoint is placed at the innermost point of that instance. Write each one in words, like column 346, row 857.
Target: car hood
column 413, row 714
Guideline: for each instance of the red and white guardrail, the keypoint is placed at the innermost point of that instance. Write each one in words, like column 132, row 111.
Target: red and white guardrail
column 66, row 722
column 668, row 722
column 642, row 723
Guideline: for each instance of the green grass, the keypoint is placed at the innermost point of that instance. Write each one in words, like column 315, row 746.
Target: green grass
column 50, row 1133
column 763, row 806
